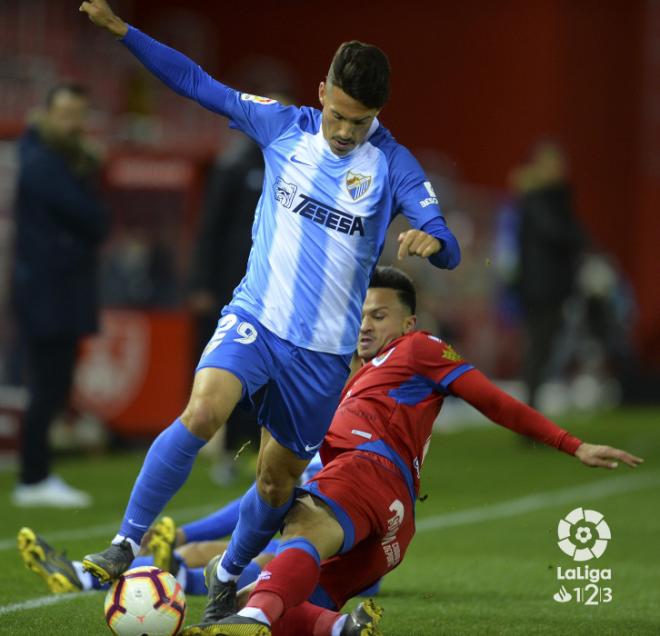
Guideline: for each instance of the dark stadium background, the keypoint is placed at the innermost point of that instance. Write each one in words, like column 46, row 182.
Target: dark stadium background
column 476, row 84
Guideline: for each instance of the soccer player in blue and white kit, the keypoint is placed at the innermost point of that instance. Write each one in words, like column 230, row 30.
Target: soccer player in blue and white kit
column 334, row 180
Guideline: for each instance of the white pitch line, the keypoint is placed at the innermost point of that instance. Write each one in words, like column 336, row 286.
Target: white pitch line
column 42, row 601
column 583, row 493
column 106, row 528
column 597, row 490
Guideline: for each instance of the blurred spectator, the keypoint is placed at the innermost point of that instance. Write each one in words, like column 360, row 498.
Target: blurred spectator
column 609, row 310
column 223, row 241
column 506, row 249
column 60, row 223
column 224, row 238
column 596, row 340
column 139, row 268
column 551, row 242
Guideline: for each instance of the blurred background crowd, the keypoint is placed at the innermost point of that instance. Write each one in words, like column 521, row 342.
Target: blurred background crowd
column 537, row 123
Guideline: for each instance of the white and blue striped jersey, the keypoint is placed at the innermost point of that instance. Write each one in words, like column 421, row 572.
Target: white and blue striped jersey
column 321, row 221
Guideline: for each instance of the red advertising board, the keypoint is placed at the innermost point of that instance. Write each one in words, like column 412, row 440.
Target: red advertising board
column 136, row 374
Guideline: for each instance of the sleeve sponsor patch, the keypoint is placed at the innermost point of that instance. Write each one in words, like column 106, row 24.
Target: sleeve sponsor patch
column 432, row 198
column 449, row 353
column 246, row 97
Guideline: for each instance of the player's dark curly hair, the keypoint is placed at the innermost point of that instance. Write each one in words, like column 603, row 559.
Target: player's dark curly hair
column 362, row 71
column 393, row 278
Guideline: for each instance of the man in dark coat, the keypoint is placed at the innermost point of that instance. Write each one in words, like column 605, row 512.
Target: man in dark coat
column 60, row 222
column 551, row 245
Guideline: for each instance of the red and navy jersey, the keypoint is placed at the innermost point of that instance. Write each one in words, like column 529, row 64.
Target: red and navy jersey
column 390, row 404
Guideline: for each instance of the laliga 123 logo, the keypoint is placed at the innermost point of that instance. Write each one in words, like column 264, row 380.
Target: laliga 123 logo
column 583, row 534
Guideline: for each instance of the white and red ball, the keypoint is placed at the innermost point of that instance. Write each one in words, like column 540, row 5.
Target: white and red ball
column 145, row 601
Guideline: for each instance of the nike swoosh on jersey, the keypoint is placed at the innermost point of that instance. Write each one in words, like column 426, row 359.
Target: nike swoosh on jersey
column 311, row 448
column 380, row 359
column 296, row 160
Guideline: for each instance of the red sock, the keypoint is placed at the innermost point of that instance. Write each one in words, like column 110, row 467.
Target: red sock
column 306, row 619
column 324, row 622
column 287, row 581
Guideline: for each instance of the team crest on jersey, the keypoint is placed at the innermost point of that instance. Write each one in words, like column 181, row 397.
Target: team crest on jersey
column 246, row 97
column 451, row 354
column 357, row 184
column 285, row 192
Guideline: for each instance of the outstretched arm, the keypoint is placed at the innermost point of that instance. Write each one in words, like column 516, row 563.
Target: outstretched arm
column 476, row 389
column 261, row 119
column 173, row 68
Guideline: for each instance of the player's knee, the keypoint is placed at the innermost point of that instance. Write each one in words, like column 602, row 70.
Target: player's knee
column 202, row 417
column 275, row 487
column 215, row 394
column 316, row 525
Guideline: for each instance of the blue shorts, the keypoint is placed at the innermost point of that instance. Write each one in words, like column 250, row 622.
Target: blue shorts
column 302, row 386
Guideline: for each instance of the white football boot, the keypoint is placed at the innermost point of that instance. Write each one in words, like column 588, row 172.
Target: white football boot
column 52, row 492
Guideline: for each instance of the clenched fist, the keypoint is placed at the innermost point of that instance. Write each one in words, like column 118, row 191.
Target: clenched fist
column 417, row 243
column 100, row 13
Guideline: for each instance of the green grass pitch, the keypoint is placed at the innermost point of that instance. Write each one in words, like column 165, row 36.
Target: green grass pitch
column 483, row 561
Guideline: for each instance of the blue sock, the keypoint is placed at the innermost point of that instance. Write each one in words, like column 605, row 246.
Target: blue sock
column 141, row 561
column 372, row 590
column 218, row 524
column 272, row 547
column 257, row 524
column 249, row 575
column 195, row 582
column 166, row 467
column 148, row 559
column 97, row 585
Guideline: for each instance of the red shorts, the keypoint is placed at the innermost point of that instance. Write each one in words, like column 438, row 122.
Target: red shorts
column 372, row 503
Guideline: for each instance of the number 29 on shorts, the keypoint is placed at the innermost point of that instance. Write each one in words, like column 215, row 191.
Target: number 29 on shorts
column 246, row 332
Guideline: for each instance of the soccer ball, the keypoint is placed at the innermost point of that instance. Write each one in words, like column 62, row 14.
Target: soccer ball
column 145, row 601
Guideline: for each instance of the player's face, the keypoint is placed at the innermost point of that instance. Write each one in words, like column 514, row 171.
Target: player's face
column 384, row 318
column 67, row 115
column 345, row 121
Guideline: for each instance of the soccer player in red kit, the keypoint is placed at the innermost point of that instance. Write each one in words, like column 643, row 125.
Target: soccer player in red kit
column 353, row 521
